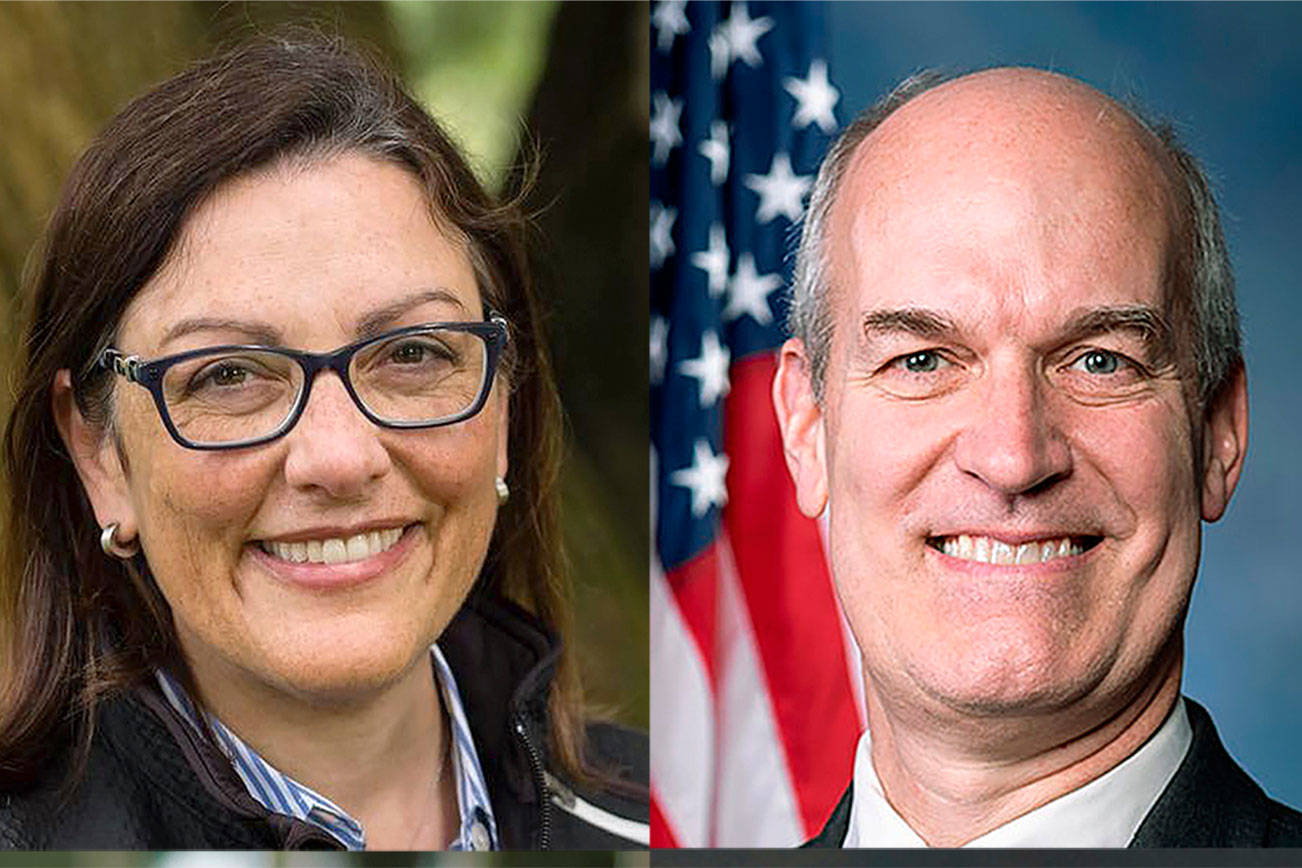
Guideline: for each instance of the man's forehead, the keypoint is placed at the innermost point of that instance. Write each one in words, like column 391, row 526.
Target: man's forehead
column 1028, row 170
column 1007, row 126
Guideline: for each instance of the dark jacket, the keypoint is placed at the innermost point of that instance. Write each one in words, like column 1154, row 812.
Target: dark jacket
column 1211, row 802
column 152, row 784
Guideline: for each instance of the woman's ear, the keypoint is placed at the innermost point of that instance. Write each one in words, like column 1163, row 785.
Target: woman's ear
column 94, row 453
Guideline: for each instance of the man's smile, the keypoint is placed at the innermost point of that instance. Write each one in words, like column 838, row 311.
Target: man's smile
column 991, row 550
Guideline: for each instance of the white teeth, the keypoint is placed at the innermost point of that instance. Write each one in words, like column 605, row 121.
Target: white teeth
column 992, row 551
column 1000, row 552
column 334, row 551
column 337, row 550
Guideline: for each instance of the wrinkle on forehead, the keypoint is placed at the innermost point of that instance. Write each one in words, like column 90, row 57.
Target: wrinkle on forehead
column 1034, row 141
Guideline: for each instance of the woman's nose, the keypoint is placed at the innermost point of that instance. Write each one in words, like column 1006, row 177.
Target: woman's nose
column 333, row 447
column 1011, row 442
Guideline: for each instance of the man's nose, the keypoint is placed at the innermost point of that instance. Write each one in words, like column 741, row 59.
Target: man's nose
column 334, row 448
column 1011, row 441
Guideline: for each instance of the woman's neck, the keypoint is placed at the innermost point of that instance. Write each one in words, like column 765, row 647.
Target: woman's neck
column 382, row 756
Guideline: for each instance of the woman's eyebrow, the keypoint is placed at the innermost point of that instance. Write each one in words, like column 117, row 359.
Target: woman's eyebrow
column 257, row 332
column 265, row 334
column 381, row 320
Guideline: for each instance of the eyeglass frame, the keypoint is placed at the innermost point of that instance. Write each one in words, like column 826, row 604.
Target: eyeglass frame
column 493, row 330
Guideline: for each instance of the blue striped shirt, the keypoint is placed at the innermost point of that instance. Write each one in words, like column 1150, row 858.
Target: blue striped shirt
column 281, row 794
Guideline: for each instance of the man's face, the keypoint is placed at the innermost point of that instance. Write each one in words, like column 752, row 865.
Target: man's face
column 1007, row 444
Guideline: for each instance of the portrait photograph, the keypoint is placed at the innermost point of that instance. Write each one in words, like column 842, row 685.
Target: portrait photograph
column 324, row 410
column 973, row 413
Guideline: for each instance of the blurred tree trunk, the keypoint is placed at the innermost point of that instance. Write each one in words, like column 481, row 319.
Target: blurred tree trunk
column 592, row 199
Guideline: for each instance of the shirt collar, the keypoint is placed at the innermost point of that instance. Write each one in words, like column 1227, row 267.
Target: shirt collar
column 281, row 794
column 1106, row 812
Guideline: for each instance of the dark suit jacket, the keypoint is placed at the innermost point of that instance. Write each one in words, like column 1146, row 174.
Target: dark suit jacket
column 1211, row 802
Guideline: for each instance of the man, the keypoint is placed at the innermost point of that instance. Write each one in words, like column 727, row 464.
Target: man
column 1016, row 387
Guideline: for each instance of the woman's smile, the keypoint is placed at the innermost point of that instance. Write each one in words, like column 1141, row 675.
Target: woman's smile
column 329, row 560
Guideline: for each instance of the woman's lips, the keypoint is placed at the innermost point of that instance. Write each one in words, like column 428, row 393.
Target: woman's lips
column 335, row 562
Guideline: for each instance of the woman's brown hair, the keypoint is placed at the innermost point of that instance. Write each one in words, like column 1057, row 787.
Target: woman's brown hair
column 80, row 626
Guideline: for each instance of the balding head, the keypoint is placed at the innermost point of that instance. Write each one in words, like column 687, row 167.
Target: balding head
column 1028, row 136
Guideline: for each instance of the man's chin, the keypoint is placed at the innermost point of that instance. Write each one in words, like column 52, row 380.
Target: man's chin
column 987, row 684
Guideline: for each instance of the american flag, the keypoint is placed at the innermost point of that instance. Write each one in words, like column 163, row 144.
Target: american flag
column 754, row 680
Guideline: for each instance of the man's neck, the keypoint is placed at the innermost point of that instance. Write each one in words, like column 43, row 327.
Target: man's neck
column 951, row 791
column 384, row 758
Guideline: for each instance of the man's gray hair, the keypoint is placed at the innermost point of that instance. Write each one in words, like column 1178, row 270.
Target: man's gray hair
column 1203, row 282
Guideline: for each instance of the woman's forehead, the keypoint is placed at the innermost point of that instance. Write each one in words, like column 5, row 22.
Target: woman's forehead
column 313, row 251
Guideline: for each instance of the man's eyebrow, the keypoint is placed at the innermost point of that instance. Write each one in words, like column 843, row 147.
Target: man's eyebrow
column 917, row 321
column 1149, row 323
column 381, row 320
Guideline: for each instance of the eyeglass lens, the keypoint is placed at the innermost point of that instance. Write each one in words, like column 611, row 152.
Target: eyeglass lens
column 422, row 377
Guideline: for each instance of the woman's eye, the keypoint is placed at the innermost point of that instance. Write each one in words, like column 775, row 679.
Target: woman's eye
column 419, row 352
column 229, row 375
column 410, row 353
column 221, row 375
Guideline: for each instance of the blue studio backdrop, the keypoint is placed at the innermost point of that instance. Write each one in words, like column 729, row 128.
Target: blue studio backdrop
column 1230, row 77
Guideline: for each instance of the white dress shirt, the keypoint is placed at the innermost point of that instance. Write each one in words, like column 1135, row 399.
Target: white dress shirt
column 1106, row 812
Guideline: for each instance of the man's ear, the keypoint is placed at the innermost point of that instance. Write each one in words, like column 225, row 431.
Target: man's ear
column 1225, row 440
column 96, row 458
column 802, row 423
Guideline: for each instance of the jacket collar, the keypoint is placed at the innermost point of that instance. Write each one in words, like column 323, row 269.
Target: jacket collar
column 504, row 660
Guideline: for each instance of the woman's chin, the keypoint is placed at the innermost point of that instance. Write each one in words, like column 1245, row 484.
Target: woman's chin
column 333, row 666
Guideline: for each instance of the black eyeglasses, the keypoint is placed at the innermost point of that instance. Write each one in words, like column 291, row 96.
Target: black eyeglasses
column 228, row 397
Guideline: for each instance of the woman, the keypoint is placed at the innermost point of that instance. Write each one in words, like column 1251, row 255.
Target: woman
column 285, row 419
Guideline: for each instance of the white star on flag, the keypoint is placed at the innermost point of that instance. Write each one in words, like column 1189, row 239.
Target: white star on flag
column 664, row 126
column 670, row 19
column 714, row 260
column 662, row 228
column 710, row 368
column 815, row 98
column 659, row 347
column 715, row 149
column 781, row 191
column 742, row 32
column 748, row 292
column 705, row 478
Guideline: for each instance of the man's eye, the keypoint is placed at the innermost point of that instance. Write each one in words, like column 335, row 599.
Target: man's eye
column 921, row 362
column 1099, row 362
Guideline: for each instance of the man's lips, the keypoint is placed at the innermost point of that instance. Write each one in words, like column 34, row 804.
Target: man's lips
column 1005, row 551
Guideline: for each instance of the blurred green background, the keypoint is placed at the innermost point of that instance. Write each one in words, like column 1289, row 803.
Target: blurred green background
column 570, row 77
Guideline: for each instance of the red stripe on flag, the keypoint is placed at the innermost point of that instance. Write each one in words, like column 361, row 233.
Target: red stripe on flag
column 661, row 833
column 784, row 577
column 695, row 587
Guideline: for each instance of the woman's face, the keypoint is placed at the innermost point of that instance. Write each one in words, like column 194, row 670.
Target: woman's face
column 312, row 255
